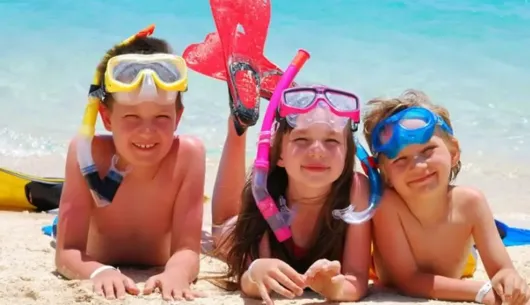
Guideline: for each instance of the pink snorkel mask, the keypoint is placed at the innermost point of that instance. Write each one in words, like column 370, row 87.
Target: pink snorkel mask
column 301, row 107
column 304, row 106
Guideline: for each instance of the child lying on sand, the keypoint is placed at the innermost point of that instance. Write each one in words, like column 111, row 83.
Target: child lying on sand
column 312, row 157
column 426, row 227
column 155, row 217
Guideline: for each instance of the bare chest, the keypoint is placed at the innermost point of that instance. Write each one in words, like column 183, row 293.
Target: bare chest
column 303, row 228
column 135, row 227
column 442, row 249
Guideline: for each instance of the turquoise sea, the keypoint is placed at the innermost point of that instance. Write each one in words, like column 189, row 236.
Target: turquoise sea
column 469, row 55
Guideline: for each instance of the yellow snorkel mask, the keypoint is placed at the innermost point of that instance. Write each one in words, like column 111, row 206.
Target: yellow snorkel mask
column 130, row 79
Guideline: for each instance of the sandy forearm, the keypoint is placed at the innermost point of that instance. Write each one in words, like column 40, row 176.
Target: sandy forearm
column 74, row 264
column 441, row 288
column 185, row 264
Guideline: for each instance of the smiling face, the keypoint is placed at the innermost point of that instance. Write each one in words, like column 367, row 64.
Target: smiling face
column 422, row 168
column 142, row 133
column 313, row 156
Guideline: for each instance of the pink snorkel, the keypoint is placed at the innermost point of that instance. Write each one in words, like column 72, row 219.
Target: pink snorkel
column 264, row 201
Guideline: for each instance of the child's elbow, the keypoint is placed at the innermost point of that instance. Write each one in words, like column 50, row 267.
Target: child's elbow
column 358, row 295
column 60, row 266
column 355, row 291
column 416, row 286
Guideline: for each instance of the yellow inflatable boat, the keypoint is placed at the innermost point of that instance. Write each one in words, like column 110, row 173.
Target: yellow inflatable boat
column 22, row 192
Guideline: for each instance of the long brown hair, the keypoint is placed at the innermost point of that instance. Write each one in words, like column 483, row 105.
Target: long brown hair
column 243, row 242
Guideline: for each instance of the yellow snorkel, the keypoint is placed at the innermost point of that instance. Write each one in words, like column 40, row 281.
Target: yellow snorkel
column 102, row 189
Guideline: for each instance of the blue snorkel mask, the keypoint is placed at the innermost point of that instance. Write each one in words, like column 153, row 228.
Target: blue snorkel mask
column 415, row 125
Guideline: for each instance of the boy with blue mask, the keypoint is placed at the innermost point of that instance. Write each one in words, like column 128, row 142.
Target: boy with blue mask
column 426, row 227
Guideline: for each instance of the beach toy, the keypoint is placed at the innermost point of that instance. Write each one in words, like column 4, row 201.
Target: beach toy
column 23, row 192
column 51, row 230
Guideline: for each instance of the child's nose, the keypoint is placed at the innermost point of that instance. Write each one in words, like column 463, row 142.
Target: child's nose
column 316, row 150
column 147, row 128
column 419, row 161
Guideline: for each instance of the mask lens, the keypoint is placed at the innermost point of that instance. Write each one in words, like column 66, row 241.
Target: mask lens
column 127, row 72
column 319, row 115
column 342, row 101
column 299, row 99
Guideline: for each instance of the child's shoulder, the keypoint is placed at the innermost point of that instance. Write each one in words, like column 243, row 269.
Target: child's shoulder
column 190, row 145
column 468, row 200
column 189, row 148
column 189, row 153
column 391, row 202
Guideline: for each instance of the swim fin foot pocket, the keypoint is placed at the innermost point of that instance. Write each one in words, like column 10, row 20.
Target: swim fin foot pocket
column 243, row 117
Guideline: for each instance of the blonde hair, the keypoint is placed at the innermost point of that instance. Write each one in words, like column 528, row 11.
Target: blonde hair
column 381, row 108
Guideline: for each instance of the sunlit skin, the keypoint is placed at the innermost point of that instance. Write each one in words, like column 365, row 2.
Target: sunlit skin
column 424, row 228
column 155, row 218
column 314, row 158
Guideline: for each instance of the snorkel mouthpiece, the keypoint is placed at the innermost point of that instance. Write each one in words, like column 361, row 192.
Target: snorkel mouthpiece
column 348, row 214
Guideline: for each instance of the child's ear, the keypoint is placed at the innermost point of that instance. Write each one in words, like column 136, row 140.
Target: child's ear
column 179, row 116
column 280, row 162
column 454, row 150
column 104, row 113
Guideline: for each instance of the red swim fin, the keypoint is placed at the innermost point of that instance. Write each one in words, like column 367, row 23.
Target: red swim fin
column 235, row 54
column 211, row 57
column 207, row 57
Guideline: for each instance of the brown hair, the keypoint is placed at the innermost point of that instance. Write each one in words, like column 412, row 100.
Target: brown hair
column 328, row 240
column 380, row 109
column 140, row 45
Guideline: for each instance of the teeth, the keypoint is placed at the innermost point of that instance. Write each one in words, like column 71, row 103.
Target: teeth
column 144, row 146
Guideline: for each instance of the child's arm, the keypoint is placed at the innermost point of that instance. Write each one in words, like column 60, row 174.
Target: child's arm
column 356, row 258
column 187, row 212
column 399, row 262
column 74, row 216
column 489, row 244
column 506, row 283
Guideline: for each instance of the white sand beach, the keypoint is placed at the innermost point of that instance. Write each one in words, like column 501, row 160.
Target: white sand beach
column 27, row 271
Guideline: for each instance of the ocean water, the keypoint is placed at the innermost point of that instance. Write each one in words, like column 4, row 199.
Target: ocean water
column 468, row 55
